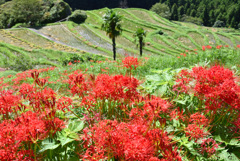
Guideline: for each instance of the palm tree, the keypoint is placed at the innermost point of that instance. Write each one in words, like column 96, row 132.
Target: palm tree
column 139, row 35
column 112, row 27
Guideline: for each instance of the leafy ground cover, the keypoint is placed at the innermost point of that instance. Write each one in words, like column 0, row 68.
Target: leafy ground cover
column 173, row 108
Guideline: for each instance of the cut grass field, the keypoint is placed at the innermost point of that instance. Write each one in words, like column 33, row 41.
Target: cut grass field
column 39, row 44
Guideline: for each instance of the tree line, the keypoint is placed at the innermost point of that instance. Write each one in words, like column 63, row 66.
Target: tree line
column 217, row 13
column 97, row 4
column 26, row 13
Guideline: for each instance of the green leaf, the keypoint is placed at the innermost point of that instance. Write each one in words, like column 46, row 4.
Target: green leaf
column 48, row 144
column 75, row 125
column 176, row 123
column 63, row 138
column 226, row 156
column 234, row 142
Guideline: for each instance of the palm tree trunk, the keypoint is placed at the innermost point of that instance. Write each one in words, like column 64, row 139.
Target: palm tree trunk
column 114, row 48
column 141, row 46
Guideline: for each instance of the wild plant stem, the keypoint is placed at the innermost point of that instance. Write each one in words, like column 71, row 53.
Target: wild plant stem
column 35, row 152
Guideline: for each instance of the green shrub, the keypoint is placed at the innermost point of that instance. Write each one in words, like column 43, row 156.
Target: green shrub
column 56, row 11
column 219, row 23
column 2, row 1
column 19, row 25
column 159, row 32
column 80, row 58
column 162, row 10
column 78, row 16
column 32, row 12
column 22, row 63
column 195, row 20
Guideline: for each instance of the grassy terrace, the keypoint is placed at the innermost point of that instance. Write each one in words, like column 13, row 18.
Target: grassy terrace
column 41, row 45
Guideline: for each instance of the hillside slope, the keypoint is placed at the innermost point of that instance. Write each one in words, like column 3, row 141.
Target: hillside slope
column 89, row 38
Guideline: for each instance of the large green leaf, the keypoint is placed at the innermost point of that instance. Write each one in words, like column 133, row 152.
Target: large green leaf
column 64, row 138
column 49, row 144
column 75, row 125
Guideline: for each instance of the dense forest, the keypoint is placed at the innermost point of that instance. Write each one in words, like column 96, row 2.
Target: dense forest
column 217, row 13
column 96, row 4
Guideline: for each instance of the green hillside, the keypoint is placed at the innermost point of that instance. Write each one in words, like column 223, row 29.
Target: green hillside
column 41, row 45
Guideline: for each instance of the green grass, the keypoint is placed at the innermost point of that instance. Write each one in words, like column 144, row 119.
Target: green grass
column 89, row 38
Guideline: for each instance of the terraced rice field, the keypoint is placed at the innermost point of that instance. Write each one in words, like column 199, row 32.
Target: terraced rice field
column 89, row 38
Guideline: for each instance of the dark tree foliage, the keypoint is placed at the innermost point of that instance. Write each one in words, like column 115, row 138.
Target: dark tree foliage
column 96, row 4
column 209, row 11
column 32, row 12
column 205, row 16
column 174, row 12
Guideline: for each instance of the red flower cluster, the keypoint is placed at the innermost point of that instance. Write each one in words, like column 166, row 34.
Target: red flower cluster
column 195, row 131
column 115, row 88
column 216, row 86
column 199, row 119
column 209, row 147
column 151, row 110
column 197, row 127
column 130, row 62
column 208, row 47
column 77, row 84
column 8, row 103
column 10, row 144
column 127, row 141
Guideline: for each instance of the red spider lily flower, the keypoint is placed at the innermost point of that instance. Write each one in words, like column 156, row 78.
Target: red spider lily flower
column 42, row 100
column 177, row 114
column 209, row 146
column 130, row 62
column 238, row 46
column 203, row 48
column 77, row 84
column 178, row 57
column 11, row 143
column 226, row 46
column 116, row 87
column 186, row 51
column 70, row 63
column 195, row 49
column 181, row 54
column 219, row 47
column 216, row 86
column 26, row 90
column 154, row 159
column 196, row 132
column 64, row 103
column 8, row 103
column 31, row 127
column 54, row 125
column 237, row 125
column 208, row 47
column 154, row 107
column 199, row 119
column 125, row 141
column 184, row 55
